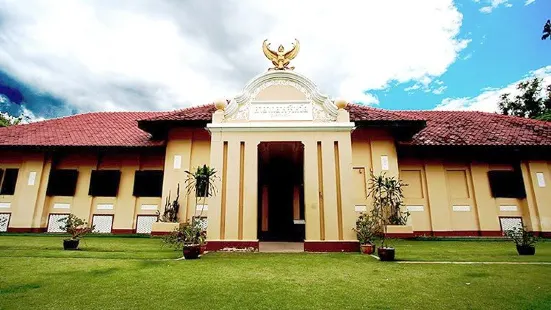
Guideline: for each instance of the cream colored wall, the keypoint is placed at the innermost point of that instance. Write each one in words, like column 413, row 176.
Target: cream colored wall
column 326, row 217
column 126, row 207
column 445, row 184
column 538, row 201
column 223, row 217
column 435, row 185
column 25, row 198
column 368, row 146
column 280, row 92
column 30, row 207
column 193, row 146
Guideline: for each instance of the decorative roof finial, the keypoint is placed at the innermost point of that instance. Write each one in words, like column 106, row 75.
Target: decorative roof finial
column 281, row 59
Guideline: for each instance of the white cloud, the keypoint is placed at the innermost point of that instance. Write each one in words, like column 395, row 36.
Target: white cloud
column 488, row 100
column 153, row 55
column 490, row 5
column 436, row 87
column 440, row 90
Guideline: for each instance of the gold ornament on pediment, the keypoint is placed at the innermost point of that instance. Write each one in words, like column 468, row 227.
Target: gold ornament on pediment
column 280, row 58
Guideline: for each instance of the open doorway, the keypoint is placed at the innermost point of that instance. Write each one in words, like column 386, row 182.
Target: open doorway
column 281, row 191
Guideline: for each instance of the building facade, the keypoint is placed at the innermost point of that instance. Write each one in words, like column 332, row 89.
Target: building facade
column 292, row 165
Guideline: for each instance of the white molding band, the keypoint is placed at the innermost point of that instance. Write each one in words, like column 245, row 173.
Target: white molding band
column 105, row 206
column 149, row 207
column 384, row 163
column 461, row 208
column 541, row 179
column 5, row 205
column 177, row 161
column 280, row 126
column 202, row 207
column 508, row 208
column 418, row 208
column 62, row 206
column 32, row 178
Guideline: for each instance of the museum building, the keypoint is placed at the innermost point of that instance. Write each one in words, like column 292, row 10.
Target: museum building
column 292, row 165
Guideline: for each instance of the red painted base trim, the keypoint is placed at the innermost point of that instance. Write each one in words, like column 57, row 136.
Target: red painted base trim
column 457, row 233
column 400, row 235
column 331, row 246
column 123, row 231
column 219, row 245
column 543, row 234
column 491, row 233
column 160, row 233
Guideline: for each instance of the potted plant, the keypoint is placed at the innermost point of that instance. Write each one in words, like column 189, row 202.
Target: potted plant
column 201, row 184
column 189, row 237
column 365, row 232
column 387, row 194
column 77, row 228
column 524, row 240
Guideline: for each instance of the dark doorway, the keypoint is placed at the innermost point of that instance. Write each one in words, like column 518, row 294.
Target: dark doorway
column 281, row 191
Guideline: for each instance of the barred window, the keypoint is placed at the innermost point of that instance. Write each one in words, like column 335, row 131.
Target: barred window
column 506, row 184
column 104, row 183
column 8, row 181
column 62, row 182
column 148, row 183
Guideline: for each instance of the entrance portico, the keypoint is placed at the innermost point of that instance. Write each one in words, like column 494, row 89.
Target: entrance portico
column 281, row 107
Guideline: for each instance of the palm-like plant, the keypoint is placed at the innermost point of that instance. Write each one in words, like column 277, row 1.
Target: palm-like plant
column 546, row 30
column 387, row 194
column 201, row 182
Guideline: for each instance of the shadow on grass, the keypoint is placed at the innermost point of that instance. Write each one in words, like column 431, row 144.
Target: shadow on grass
column 14, row 289
column 103, row 272
column 477, row 274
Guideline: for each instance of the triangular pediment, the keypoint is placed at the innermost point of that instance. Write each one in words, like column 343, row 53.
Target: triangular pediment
column 281, row 96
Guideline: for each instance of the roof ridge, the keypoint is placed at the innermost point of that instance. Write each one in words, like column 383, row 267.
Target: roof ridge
column 491, row 114
column 66, row 117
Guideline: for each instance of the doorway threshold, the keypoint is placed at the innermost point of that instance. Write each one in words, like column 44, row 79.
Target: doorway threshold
column 280, row 247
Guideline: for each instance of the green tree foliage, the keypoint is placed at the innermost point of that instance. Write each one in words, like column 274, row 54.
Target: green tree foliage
column 7, row 120
column 530, row 103
column 546, row 30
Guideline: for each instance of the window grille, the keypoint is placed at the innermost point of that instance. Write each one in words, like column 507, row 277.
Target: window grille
column 508, row 223
column 144, row 223
column 4, row 221
column 103, row 223
column 53, row 224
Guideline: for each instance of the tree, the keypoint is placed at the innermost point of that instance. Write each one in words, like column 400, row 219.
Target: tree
column 529, row 103
column 8, row 120
column 546, row 30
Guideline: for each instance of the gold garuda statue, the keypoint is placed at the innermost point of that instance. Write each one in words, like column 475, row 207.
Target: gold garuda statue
column 281, row 59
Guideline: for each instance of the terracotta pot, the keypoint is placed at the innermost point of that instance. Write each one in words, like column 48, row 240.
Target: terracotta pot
column 367, row 248
column 386, row 254
column 526, row 250
column 203, row 248
column 70, row 244
column 192, row 251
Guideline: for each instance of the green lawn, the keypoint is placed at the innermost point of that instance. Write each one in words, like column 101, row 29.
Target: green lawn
column 137, row 273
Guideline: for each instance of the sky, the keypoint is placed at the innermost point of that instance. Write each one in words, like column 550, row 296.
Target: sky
column 64, row 57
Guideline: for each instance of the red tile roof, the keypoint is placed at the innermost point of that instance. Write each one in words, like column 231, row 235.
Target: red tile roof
column 103, row 129
column 121, row 128
column 360, row 113
column 357, row 113
column 198, row 113
column 479, row 128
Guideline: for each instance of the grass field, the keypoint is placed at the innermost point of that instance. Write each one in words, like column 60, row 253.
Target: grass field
column 138, row 273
